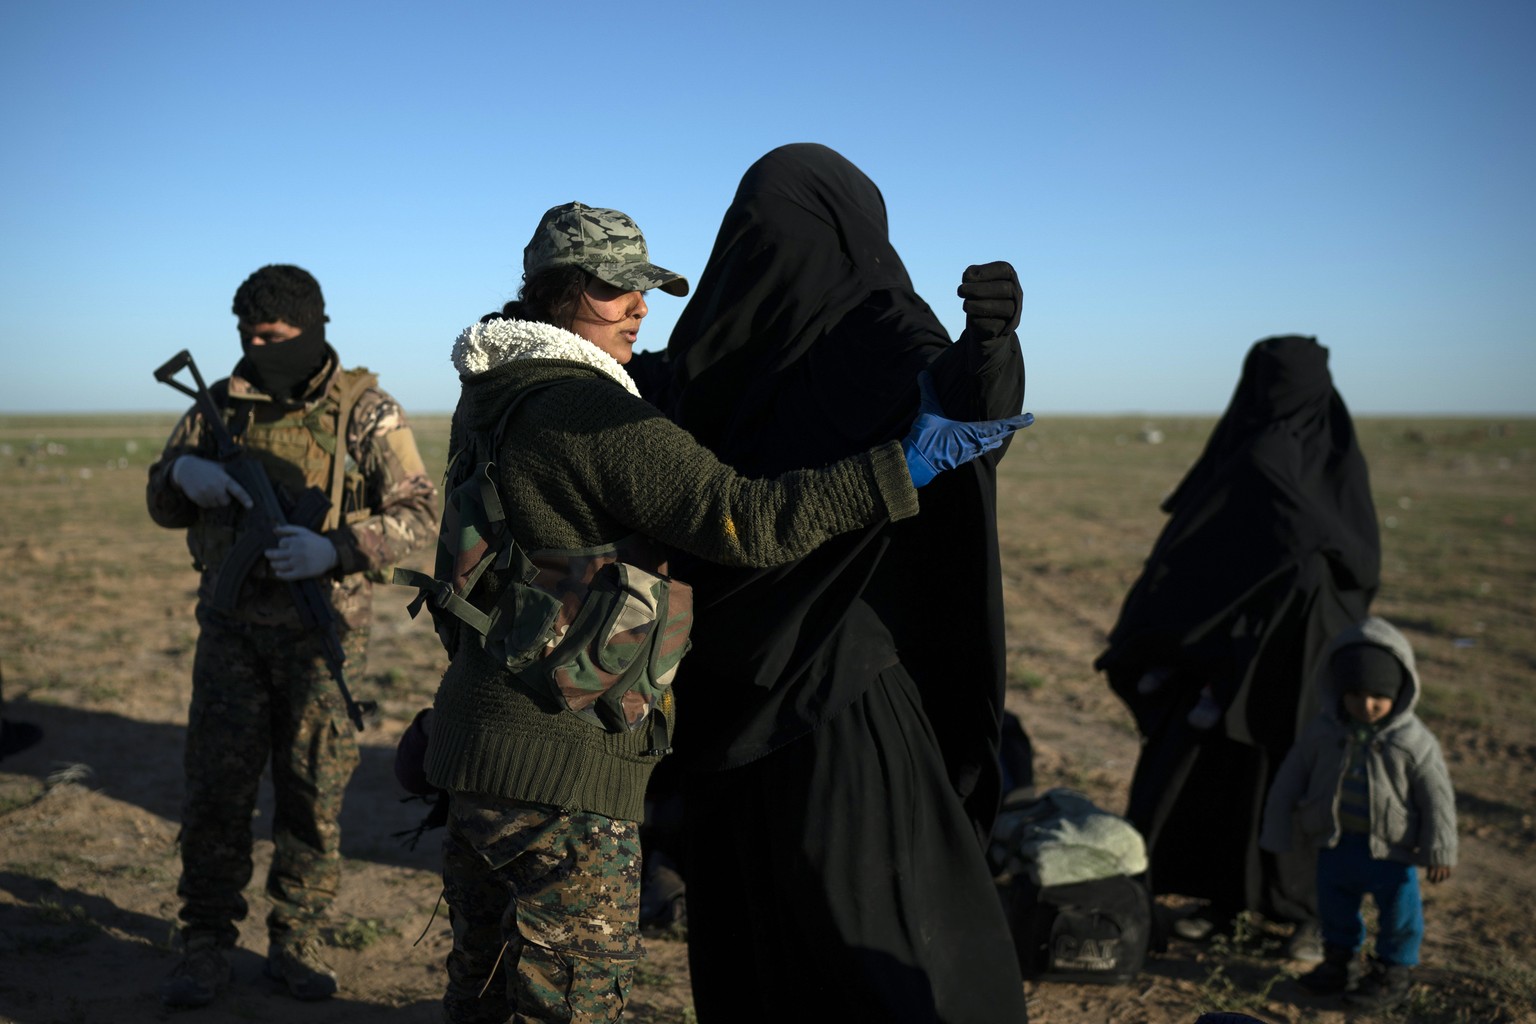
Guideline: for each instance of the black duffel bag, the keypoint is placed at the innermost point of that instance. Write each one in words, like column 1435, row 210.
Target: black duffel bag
column 1095, row 931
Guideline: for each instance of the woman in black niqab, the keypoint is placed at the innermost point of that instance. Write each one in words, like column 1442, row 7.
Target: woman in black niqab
column 839, row 717
column 1271, row 547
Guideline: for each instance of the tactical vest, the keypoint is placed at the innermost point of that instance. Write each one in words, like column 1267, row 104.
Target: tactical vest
column 298, row 448
column 599, row 630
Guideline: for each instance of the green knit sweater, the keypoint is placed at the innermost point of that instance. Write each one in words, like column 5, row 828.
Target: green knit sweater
column 585, row 463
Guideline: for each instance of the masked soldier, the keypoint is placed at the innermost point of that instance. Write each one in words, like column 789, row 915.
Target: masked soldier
column 262, row 687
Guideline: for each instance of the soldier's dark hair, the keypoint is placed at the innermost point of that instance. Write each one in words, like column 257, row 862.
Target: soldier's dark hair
column 280, row 291
column 550, row 296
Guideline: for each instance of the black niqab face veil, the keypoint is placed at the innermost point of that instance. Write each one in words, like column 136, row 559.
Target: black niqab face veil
column 1288, row 424
column 764, row 375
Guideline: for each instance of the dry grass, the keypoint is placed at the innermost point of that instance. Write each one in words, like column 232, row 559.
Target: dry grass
column 97, row 640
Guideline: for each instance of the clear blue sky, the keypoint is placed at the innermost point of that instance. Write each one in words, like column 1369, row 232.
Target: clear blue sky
column 1173, row 180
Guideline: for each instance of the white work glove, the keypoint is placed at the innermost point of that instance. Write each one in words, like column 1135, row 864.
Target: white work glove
column 300, row 554
column 206, row 482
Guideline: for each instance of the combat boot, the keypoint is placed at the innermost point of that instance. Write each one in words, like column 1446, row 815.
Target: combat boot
column 1384, row 987
column 201, row 973
column 1340, row 971
column 297, row 964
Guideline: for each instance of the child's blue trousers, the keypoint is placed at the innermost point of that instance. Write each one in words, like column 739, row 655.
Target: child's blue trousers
column 1344, row 875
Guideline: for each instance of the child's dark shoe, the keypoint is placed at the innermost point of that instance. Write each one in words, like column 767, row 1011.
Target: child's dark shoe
column 1384, row 987
column 1340, row 971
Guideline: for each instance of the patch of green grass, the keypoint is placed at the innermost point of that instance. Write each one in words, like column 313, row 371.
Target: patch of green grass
column 646, row 975
column 676, row 931
column 16, row 797
column 1072, row 775
column 53, row 912
column 1026, row 680
column 1502, row 990
column 359, row 933
column 640, row 1013
column 139, row 872
column 74, row 923
column 1240, row 973
column 390, row 678
column 99, row 690
column 63, row 865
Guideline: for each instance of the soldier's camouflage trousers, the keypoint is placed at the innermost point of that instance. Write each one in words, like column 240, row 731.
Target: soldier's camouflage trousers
column 561, row 892
column 261, row 693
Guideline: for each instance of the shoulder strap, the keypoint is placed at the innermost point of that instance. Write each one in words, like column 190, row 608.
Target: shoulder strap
column 517, row 400
column 490, row 494
column 355, row 383
column 463, row 464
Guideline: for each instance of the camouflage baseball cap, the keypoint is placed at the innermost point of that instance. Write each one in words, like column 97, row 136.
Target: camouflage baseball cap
column 604, row 243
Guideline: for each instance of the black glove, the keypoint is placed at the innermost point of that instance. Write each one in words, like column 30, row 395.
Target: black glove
column 993, row 299
column 411, row 755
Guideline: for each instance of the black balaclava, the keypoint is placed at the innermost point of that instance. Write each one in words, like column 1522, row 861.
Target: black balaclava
column 283, row 370
column 283, row 292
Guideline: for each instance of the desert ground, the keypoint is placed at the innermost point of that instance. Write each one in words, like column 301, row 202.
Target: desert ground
column 97, row 644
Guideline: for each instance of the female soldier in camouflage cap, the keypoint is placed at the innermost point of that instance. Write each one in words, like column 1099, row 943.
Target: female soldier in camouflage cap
column 542, row 858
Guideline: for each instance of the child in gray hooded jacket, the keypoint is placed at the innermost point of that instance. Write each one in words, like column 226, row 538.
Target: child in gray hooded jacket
column 1366, row 785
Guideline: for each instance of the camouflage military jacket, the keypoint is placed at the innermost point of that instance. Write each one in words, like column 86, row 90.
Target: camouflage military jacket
column 388, row 508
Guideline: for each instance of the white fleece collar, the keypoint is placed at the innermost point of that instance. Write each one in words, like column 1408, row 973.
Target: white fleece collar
column 481, row 347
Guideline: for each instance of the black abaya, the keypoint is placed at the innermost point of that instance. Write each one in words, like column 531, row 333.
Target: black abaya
column 839, row 717
column 1271, row 547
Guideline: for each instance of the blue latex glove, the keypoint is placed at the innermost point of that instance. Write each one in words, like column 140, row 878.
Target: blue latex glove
column 207, row 483
column 301, row 554
column 935, row 443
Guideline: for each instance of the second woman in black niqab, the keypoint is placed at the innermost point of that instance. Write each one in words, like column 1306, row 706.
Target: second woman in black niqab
column 1271, row 547
column 840, row 716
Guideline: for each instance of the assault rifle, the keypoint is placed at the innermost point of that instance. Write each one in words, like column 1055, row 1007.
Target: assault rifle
column 265, row 514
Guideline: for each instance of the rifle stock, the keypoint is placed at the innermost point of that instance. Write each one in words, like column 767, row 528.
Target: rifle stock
column 264, row 516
